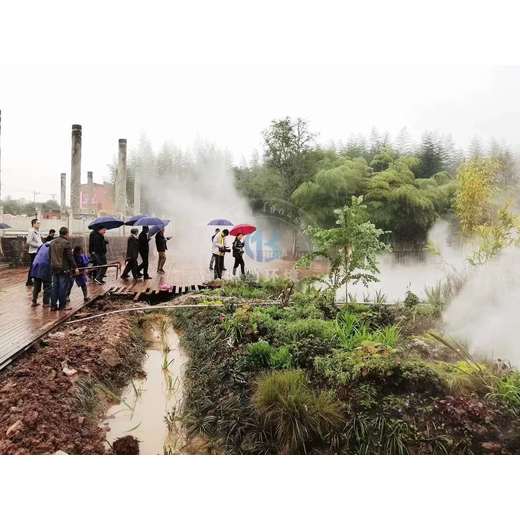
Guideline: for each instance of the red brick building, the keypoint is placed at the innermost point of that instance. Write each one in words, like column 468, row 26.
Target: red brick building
column 96, row 198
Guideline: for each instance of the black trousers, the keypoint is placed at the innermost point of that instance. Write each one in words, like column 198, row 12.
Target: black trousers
column 131, row 265
column 239, row 262
column 32, row 257
column 144, row 264
column 99, row 259
column 219, row 266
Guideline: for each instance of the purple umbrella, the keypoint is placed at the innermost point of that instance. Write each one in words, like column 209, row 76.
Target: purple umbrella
column 220, row 222
column 107, row 222
column 154, row 229
column 132, row 220
column 151, row 221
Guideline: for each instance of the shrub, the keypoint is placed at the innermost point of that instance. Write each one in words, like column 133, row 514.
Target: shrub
column 375, row 364
column 411, row 300
column 305, row 328
column 464, row 377
column 281, row 358
column 259, row 354
column 297, row 417
column 507, row 388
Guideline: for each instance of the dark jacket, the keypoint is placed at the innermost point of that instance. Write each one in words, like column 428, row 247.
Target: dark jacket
column 132, row 248
column 97, row 243
column 144, row 246
column 62, row 260
column 238, row 248
column 160, row 242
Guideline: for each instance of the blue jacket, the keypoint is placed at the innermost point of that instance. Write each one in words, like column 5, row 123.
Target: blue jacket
column 41, row 267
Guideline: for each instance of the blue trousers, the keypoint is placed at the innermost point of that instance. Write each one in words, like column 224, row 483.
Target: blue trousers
column 60, row 288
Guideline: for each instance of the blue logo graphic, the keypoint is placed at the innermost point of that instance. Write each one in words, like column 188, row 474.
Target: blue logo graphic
column 262, row 246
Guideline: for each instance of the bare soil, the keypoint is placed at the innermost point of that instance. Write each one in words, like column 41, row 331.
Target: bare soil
column 41, row 410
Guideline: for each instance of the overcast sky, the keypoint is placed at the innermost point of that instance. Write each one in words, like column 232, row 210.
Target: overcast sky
column 230, row 105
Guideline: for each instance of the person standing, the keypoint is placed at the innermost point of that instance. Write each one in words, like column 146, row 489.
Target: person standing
column 34, row 241
column 160, row 243
column 50, row 236
column 212, row 260
column 97, row 248
column 144, row 251
column 62, row 267
column 81, row 260
column 132, row 253
column 219, row 250
column 41, row 275
column 238, row 254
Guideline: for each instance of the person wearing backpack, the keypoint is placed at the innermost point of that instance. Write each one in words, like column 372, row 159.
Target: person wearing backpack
column 41, row 275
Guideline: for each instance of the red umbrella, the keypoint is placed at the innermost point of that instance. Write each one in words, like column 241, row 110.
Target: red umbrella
column 242, row 229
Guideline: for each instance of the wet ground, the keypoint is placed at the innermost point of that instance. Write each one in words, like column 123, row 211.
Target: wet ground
column 151, row 407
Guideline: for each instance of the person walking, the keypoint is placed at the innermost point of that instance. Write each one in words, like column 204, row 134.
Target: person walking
column 144, row 251
column 34, row 241
column 160, row 243
column 50, row 236
column 41, row 275
column 82, row 261
column 132, row 253
column 238, row 254
column 62, row 267
column 97, row 248
column 219, row 250
column 212, row 259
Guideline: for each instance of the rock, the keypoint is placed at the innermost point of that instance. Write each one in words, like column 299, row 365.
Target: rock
column 14, row 428
column 67, row 370
column 8, row 386
column 57, row 335
column 110, row 357
column 30, row 418
column 493, row 447
column 60, row 452
column 127, row 445
column 79, row 331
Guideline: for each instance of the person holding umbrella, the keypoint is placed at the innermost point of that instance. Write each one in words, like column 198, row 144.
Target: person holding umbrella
column 132, row 253
column 219, row 250
column 238, row 254
column 160, row 243
column 97, row 248
column 144, row 251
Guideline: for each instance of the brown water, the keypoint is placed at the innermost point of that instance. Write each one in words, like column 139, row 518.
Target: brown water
column 150, row 408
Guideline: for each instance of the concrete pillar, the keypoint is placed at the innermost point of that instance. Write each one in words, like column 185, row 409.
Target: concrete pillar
column 120, row 185
column 90, row 191
column 75, row 170
column 137, row 190
column 63, row 193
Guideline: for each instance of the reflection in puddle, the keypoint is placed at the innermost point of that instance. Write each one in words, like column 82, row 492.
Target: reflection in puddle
column 150, row 408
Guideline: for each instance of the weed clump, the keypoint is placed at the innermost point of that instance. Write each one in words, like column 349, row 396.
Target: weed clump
column 290, row 411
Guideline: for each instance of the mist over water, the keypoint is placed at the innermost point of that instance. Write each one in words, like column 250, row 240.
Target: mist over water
column 485, row 314
column 399, row 274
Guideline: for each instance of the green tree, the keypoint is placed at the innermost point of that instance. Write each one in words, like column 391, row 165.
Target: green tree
column 287, row 145
column 351, row 248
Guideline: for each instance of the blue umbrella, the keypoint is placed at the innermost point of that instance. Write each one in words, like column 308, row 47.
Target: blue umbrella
column 151, row 221
column 154, row 229
column 4, row 226
column 106, row 222
column 132, row 220
column 220, row 222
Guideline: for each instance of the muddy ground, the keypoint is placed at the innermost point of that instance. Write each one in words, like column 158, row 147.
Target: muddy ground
column 52, row 397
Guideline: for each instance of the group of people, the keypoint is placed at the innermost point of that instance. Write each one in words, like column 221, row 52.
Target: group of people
column 219, row 250
column 55, row 265
column 138, row 244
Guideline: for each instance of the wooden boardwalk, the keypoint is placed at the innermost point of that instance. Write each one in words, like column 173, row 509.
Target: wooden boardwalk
column 21, row 324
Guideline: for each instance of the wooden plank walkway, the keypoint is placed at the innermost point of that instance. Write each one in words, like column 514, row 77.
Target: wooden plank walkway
column 21, row 324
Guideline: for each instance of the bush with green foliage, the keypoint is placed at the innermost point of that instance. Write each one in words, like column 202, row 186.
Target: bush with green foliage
column 295, row 415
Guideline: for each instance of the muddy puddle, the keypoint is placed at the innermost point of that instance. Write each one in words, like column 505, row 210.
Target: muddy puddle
column 150, row 408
